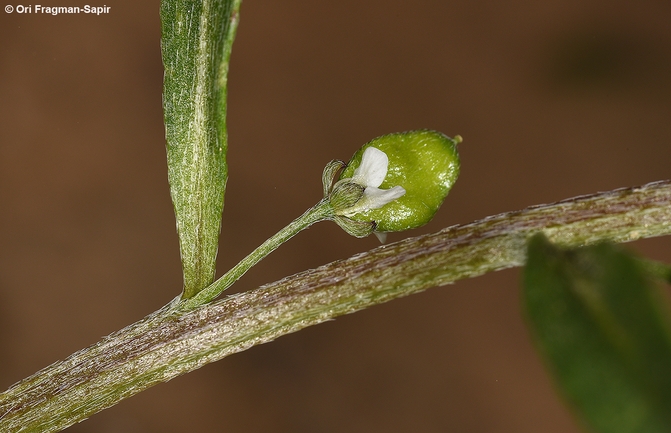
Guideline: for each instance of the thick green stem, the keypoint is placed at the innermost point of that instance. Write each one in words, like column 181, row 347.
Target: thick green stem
column 171, row 342
column 321, row 211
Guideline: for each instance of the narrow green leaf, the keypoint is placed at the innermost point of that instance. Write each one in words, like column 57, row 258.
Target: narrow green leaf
column 602, row 324
column 196, row 47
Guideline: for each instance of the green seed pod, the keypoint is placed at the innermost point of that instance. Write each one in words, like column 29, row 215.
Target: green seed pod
column 424, row 163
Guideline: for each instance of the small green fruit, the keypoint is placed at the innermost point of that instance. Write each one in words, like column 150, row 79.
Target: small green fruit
column 425, row 163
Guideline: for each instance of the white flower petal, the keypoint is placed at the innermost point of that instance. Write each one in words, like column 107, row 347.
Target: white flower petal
column 370, row 174
column 381, row 236
column 373, row 168
column 375, row 198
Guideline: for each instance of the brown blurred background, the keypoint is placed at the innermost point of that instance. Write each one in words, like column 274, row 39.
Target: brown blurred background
column 554, row 99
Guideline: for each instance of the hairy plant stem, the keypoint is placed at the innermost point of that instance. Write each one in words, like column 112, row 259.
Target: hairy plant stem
column 171, row 341
column 319, row 212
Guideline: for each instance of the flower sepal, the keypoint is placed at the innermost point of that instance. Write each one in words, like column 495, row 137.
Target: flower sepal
column 359, row 229
column 330, row 172
column 345, row 195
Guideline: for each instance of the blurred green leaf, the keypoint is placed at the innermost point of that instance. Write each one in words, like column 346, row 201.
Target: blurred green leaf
column 602, row 325
column 196, row 47
column 659, row 270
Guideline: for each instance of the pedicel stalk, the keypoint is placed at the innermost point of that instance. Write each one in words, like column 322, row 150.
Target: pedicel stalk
column 394, row 182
